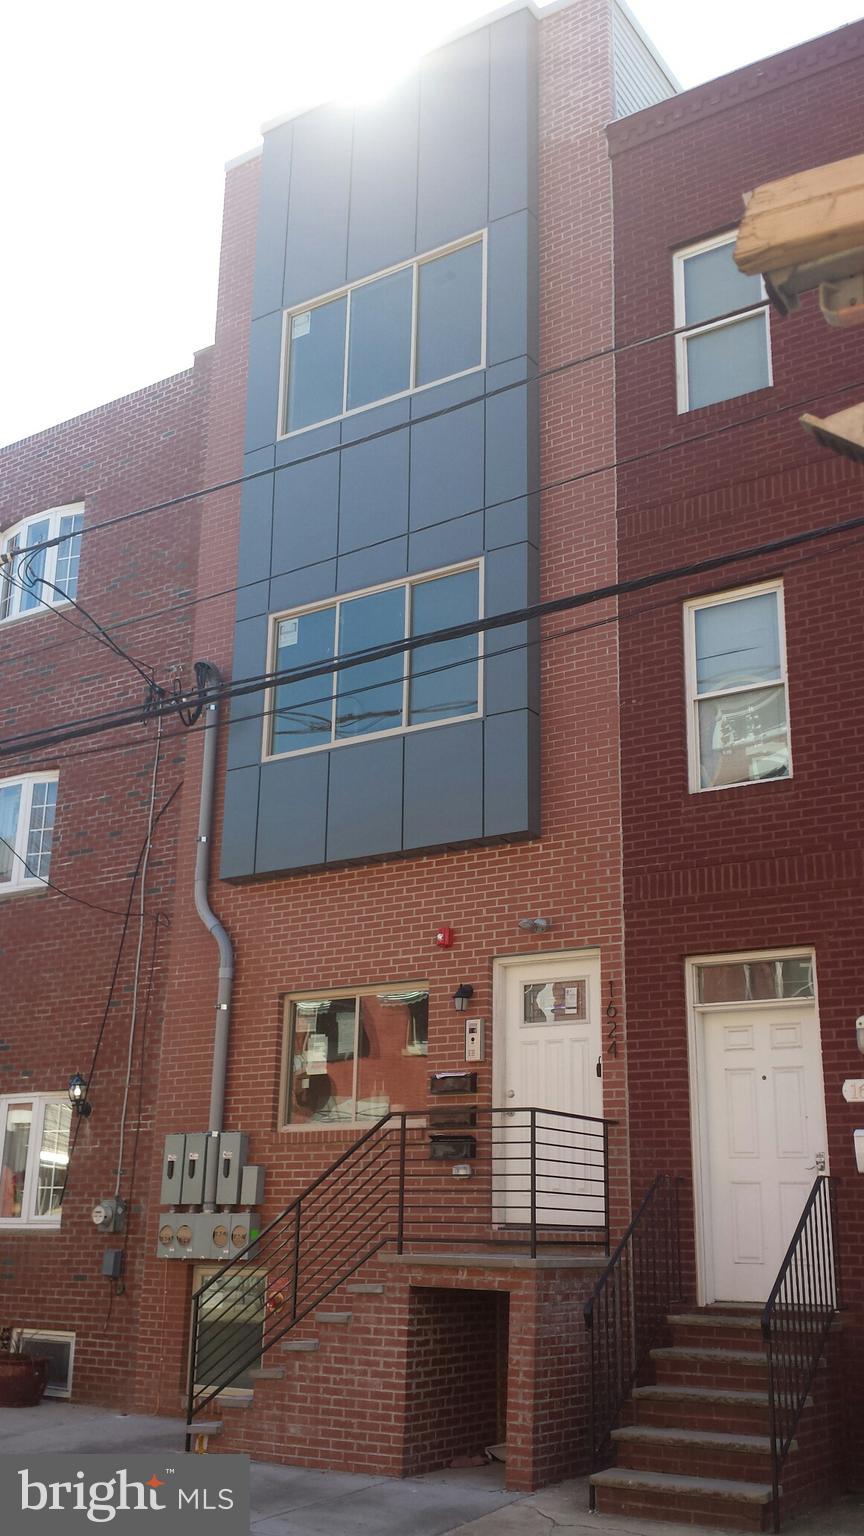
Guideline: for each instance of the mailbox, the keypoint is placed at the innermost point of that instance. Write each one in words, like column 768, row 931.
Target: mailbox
column 453, row 1082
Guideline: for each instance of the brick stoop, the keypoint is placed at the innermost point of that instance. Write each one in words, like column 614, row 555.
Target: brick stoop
column 695, row 1447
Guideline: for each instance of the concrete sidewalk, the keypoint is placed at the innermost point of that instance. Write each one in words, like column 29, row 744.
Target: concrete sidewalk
column 293, row 1501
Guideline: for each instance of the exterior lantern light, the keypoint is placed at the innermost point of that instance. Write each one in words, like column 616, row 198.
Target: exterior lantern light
column 78, row 1095
column 462, row 997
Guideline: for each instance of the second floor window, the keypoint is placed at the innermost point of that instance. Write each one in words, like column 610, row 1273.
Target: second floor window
column 27, row 809
column 430, row 685
column 24, row 578
column 402, row 330
column 716, row 358
column 736, row 683
column 34, row 1155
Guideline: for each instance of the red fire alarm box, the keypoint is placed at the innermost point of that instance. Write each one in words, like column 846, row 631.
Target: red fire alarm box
column 444, row 938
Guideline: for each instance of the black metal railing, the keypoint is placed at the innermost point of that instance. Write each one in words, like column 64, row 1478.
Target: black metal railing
column 517, row 1177
column 797, row 1318
column 626, row 1312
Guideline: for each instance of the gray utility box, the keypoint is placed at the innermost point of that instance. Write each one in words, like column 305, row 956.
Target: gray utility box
column 172, row 1170
column 202, row 1235
column 233, row 1149
column 194, row 1158
column 252, row 1185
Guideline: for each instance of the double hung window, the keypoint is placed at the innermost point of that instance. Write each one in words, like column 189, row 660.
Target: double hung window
column 736, row 681
column 34, row 1155
column 29, row 581
column 718, row 358
column 435, row 683
column 355, row 1057
column 402, row 330
column 27, row 809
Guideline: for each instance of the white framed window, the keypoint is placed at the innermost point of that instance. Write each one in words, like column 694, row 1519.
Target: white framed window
column 400, row 330
column 23, row 582
column 57, row 1347
column 34, row 1154
column 407, row 691
column 717, row 359
column 28, row 807
column 351, row 1057
column 737, row 707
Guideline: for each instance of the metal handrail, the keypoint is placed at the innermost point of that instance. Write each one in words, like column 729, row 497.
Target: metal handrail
column 626, row 1312
column 380, row 1191
column 797, row 1319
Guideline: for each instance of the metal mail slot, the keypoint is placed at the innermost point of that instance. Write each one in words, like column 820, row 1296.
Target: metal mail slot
column 456, row 1149
column 453, row 1082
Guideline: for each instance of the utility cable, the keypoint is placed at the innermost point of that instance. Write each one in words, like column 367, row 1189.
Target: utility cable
column 102, row 637
column 67, row 895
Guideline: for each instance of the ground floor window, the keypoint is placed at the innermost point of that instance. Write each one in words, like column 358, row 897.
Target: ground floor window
column 231, row 1317
column 34, row 1155
column 354, row 1057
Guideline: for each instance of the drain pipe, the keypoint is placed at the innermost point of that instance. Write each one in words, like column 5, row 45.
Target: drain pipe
column 213, row 926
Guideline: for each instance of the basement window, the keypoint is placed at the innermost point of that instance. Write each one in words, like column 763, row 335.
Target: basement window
column 58, row 1348
column 27, row 809
column 231, row 1317
column 34, row 1156
column 29, row 584
column 718, row 358
column 354, row 1058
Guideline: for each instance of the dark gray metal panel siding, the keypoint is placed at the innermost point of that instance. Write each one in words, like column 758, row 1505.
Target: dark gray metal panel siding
column 272, row 220
column 365, row 814
column 384, row 182
column 262, row 389
column 373, row 499
column 512, row 319
column 370, row 566
column 316, row 256
column 452, row 193
column 447, row 466
column 511, row 800
column 444, row 785
column 446, row 543
column 292, row 820
column 305, row 513
column 513, row 115
column 309, row 584
column 256, row 531
column 239, row 822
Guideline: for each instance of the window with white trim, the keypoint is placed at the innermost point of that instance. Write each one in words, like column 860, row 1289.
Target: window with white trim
column 738, row 718
column 28, row 806
column 718, row 358
column 429, row 686
column 24, row 580
column 397, row 331
column 352, row 1057
column 34, row 1155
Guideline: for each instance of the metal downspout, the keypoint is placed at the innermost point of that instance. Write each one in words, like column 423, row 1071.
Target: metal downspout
column 213, row 926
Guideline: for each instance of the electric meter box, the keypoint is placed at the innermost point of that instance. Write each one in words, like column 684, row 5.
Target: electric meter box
column 172, row 1170
column 194, row 1159
column 252, row 1185
column 233, row 1149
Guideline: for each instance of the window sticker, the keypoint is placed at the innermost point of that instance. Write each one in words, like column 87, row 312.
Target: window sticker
column 301, row 324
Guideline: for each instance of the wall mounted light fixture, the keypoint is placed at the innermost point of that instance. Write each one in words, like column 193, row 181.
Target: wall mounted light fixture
column 535, row 924
column 78, row 1095
column 462, row 997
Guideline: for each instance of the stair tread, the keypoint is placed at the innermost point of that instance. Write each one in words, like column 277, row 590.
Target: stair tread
column 333, row 1317
column 715, row 1320
column 702, row 1394
column 674, row 1482
column 698, row 1352
column 715, row 1439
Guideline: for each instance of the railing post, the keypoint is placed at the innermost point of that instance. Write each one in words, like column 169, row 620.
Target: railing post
column 193, row 1361
column 606, row 1216
column 588, row 1313
column 400, row 1223
column 533, row 1114
column 295, row 1280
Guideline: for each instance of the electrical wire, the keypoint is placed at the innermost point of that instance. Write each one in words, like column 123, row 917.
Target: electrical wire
column 67, row 895
column 102, row 637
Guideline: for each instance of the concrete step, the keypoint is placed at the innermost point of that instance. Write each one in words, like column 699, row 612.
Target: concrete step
column 365, row 1289
column 333, row 1317
column 717, row 1330
column 298, row 1346
column 722, row 1502
column 693, row 1452
column 687, row 1365
column 701, row 1408
column 266, row 1373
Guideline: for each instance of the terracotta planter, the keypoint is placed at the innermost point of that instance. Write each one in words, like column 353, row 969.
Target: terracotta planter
column 22, row 1379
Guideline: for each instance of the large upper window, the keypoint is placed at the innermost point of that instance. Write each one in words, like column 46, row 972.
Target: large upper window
column 736, row 683
column 437, row 682
column 718, row 359
column 403, row 330
column 355, row 1057
column 34, row 1155
column 27, row 809
column 24, row 579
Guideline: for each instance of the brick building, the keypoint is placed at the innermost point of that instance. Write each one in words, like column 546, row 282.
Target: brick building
column 493, row 828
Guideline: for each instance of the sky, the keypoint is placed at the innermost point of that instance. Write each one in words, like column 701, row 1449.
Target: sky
column 116, row 122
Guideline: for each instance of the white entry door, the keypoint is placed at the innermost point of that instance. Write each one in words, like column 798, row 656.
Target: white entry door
column 547, row 1049
column 766, row 1140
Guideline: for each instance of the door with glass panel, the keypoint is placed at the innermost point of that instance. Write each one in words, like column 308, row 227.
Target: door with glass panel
column 548, row 1047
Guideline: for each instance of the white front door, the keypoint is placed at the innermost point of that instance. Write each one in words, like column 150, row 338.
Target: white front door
column 765, row 1140
column 547, row 1050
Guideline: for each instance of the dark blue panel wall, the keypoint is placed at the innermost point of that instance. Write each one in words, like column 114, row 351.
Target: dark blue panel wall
column 445, row 475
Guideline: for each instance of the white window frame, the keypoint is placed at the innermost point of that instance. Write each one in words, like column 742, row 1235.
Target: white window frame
column 28, row 1219
column 414, row 580
column 21, row 879
column 346, row 290
column 694, row 699
column 289, row 1002
column 49, row 597
column 31, row 1334
column 683, row 336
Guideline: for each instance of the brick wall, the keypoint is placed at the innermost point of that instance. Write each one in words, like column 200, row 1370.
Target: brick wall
column 756, row 867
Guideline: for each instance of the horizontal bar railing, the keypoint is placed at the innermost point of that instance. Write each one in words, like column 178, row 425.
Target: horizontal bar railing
column 626, row 1312
column 796, row 1321
column 529, row 1177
